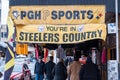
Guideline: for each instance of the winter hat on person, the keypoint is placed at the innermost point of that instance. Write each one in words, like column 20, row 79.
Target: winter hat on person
column 77, row 55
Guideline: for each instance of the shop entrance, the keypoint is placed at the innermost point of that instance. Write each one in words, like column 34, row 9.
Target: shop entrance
column 93, row 48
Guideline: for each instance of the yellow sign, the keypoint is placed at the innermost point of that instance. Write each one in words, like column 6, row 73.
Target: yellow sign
column 60, row 34
column 22, row 49
column 70, row 14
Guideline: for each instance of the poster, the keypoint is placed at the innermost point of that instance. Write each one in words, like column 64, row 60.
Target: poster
column 112, row 69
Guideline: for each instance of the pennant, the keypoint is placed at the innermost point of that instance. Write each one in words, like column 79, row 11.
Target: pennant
column 9, row 63
column 36, row 52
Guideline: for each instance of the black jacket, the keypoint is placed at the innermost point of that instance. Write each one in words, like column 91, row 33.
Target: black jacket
column 48, row 70
column 60, row 71
column 89, row 71
column 39, row 67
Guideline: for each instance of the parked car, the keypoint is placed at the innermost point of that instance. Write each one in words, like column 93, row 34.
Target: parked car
column 21, row 72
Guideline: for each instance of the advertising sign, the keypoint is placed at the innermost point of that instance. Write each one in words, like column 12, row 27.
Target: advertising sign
column 60, row 33
column 112, row 70
column 77, row 14
column 111, row 28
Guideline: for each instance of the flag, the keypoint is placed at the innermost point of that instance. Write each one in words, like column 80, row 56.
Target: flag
column 45, row 54
column 9, row 63
column 9, row 54
column 36, row 51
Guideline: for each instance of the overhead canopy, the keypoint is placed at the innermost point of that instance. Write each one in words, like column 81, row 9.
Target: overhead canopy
column 110, row 4
column 60, row 34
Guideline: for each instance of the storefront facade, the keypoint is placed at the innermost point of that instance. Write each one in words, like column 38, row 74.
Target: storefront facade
column 71, row 21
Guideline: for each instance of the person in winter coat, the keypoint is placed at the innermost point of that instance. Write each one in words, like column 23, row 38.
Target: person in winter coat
column 74, row 68
column 48, row 69
column 60, row 71
column 39, row 69
column 89, row 71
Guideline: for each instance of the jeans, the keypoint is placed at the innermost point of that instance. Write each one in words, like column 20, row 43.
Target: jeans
column 39, row 77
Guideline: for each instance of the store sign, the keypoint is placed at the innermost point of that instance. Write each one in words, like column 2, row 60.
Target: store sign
column 60, row 33
column 58, row 14
column 111, row 28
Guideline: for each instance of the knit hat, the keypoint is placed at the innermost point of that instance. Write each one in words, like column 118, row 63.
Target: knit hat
column 77, row 55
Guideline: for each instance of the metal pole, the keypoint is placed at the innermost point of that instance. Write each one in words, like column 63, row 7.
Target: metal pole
column 117, row 37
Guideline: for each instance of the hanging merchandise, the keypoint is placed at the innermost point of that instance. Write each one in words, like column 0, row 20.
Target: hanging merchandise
column 94, row 55
column 45, row 54
column 103, row 55
column 22, row 49
column 60, row 52
column 36, row 51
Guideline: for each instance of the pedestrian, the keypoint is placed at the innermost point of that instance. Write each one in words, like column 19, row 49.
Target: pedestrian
column 39, row 69
column 60, row 71
column 89, row 71
column 74, row 68
column 48, row 68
